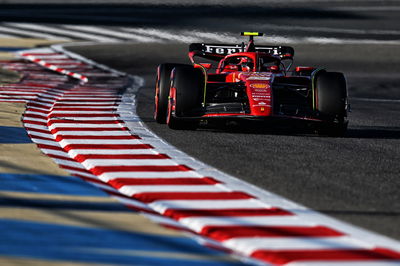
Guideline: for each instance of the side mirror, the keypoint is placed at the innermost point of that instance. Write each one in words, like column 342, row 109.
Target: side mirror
column 274, row 68
column 304, row 70
column 206, row 65
column 230, row 68
column 287, row 57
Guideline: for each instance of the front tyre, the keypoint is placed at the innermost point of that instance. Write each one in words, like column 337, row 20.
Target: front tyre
column 185, row 97
column 163, row 82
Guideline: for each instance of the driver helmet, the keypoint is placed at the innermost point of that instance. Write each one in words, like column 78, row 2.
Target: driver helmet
column 246, row 64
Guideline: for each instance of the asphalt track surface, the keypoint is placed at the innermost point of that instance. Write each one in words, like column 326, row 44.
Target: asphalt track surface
column 355, row 178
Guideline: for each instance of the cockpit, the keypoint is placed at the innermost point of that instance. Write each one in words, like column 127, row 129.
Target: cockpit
column 237, row 63
column 248, row 62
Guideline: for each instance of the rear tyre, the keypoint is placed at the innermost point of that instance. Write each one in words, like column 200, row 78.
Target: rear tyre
column 187, row 88
column 163, row 82
column 331, row 103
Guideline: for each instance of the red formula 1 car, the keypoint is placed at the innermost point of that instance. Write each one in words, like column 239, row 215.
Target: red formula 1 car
column 249, row 82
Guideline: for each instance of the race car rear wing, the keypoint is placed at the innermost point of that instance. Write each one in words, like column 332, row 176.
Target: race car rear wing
column 218, row 51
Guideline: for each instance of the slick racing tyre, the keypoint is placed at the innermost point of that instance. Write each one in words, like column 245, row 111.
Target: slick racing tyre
column 187, row 88
column 331, row 103
column 163, row 82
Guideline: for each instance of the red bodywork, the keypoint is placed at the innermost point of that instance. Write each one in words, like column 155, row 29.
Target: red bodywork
column 251, row 82
column 257, row 80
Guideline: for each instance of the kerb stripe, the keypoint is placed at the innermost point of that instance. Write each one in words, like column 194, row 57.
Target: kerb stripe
column 178, row 214
column 120, row 182
column 158, row 196
column 82, row 157
column 55, row 130
column 222, row 233
column 107, row 146
column 344, row 255
column 98, row 170
column 61, row 137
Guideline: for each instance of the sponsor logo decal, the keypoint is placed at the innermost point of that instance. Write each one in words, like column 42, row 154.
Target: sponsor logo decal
column 259, row 85
column 261, row 105
column 231, row 49
column 222, row 50
column 260, row 95
column 260, row 76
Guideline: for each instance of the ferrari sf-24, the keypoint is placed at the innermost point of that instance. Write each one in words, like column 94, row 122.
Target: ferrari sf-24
column 248, row 81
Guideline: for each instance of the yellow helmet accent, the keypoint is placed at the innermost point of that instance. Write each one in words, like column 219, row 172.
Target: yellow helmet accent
column 248, row 33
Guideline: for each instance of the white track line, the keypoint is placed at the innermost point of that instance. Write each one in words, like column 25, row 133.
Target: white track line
column 2, row 35
column 168, row 35
column 213, row 36
column 112, row 33
column 58, row 30
column 32, row 33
